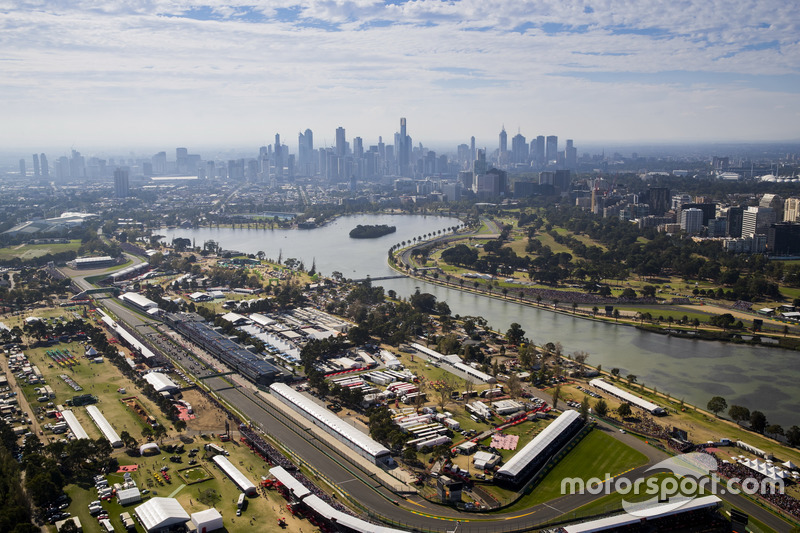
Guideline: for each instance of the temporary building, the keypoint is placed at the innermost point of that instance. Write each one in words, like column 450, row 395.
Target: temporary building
column 207, row 521
column 241, row 481
column 160, row 382
column 161, row 513
column 129, row 496
column 149, row 448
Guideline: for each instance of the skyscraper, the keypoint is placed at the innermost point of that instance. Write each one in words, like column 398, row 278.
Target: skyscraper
column 519, row 149
column 551, row 148
column 121, row 183
column 404, row 150
column 305, row 152
column 691, row 220
column 278, row 156
column 22, row 170
column 473, row 155
column 36, row 173
column 539, row 150
column 503, row 141
column 571, row 155
column 341, row 142
column 44, row 165
column 659, row 200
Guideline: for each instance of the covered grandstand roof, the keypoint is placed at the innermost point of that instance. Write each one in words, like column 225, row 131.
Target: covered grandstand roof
column 295, row 487
column 138, row 300
column 241, row 481
column 160, row 382
column 329, row 421
column 531, row 450
column 657, row 511
column 627, row 396
column 159, row 513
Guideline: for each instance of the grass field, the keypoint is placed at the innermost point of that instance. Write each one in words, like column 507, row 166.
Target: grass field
column 101, row 379
column 596, row 455
column 31, row 251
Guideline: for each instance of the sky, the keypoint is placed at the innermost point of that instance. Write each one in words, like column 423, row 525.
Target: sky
column 133, row 73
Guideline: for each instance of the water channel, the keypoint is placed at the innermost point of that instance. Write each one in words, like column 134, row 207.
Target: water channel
column 759, row 378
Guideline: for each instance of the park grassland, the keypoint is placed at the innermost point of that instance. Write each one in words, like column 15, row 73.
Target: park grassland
column 99, row 379
column 596, row 455
column 32, row 251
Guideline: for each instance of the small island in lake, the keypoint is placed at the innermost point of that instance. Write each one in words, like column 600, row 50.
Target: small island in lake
column 371, row 232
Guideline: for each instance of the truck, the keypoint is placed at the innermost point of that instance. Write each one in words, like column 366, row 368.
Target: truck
column 240, row 502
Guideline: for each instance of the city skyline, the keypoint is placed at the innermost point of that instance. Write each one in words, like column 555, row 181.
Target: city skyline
column 170, row 73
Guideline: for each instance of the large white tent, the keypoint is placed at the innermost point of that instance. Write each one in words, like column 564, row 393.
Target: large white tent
column 207, row 521
column 160, row 513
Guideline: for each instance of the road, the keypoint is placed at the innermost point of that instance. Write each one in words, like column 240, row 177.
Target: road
column 413, row 512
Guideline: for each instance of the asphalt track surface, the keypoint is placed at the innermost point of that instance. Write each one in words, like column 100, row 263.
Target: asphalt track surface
column 412, row 513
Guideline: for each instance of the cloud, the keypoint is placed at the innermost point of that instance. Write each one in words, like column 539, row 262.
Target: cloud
column 327, row 61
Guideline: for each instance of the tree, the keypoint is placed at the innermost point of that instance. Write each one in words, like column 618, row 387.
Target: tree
column 601, row 407
column 775, row 430
column 717, row 404
column 515, row 334
column 631, row 379
column 556, row 396
column 758, row 421
column 127, row 440
column 793, row 435
column 624, row 410
column 585, row 408
column 580, row 358
column 615, row 373
column 739, row 413
column 514, row 386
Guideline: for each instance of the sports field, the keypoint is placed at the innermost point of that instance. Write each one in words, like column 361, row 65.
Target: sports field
column 31, row 251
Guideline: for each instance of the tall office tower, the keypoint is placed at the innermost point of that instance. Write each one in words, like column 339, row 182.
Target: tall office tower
column 692, row 220
column 756, row 220
column 571, row 155
column 473, row 155
column 551, row 149
column 783, row 238
column 36, row 172
column 211, row 171
column 404, row 150
column 121, row 189
column 381, row 148
column 341, row 143
column 77, row 166
column 791, row 210
column 61, row 168
column 22, row 170
column 539, row 151
column 775, row 202
column 734, row 223
column 479, row 165
column 182, row 161
column 503, row 141
column 159, row 163
column 305, row 152
column 358, row 147
column 659, row 199
column 44, row 165
column 278, row 156
column 519, row 149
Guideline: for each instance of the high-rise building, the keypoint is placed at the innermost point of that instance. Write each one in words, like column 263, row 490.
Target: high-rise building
column 757, row 220
column 519, row 149
column 77, row 166
column 473, row 154
column 735, row 220
column 659, row 200
column 22, row 170
column 305, row 153
column 503, row 142
column 36, row 173
column 121, row 189
column 404, row 150
column 341, row 142
column 709, row 210
column 571, row 155
column 278, row 156
column 44, row 165
column 791, row 210
column 783, row 238
column 691, row 221
column 551, row 149
column 479, row 165
column 539, row 151
column 358, row 147
column 182, row 161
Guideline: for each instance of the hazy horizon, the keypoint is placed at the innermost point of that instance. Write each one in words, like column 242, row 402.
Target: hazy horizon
column 135, row 72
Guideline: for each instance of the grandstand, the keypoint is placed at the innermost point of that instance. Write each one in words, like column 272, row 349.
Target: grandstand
column 634, row 400
column 539, row 451
column 694, row 512
column 332, row 424
column 243, row 361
